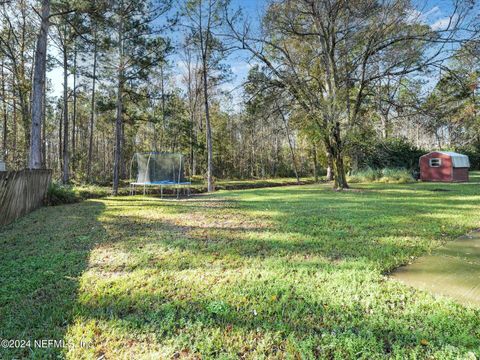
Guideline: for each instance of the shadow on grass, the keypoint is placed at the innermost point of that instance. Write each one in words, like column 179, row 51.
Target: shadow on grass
column 386, row 328
column 43, row 255
column 318, row 253
column 292, row 264
column 380, row 229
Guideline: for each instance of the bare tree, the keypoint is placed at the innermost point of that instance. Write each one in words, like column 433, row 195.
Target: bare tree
column 92, row 107
column 119, row 102
column 137, row 52
column 193, row 82
column 39, row 75
column 204, row 18
column 4, row 114
column 326, row 55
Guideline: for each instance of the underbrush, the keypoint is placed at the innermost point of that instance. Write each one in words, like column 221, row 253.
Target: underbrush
column 387, row 175
column 97, row 191
column 67, row 194
column 59, row 194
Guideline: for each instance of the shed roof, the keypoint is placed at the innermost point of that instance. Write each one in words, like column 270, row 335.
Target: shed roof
column 458, row 160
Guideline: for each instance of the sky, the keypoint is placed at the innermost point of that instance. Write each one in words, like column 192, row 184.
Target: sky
column 238, row 62
column 433, row 12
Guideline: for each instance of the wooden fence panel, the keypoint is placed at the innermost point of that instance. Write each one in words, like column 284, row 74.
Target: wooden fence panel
column 22, row 192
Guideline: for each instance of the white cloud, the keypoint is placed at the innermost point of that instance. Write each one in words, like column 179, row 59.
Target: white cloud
column 417, row 15
column 443, row 23
column 432, row 11
column 240, row 68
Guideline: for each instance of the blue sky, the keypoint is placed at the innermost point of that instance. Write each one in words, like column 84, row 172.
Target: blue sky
column 237, row 62
column 434, row 13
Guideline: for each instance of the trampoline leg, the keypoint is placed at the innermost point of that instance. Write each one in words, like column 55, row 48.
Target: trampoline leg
column 161, row 192
column 144, row 189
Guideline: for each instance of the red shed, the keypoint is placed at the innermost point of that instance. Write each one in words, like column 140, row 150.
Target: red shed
column 444, row 166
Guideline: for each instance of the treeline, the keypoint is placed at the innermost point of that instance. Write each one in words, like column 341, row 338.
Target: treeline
column 333, row 86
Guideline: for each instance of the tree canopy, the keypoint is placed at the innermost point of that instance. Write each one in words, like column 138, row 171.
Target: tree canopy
column 326, row 86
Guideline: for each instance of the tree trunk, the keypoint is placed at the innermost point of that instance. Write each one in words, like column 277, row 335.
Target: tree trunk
column 294, row 159
column 164, row 118
column 204, row 47
column 340, row 179
column 330, row 174
column 74, row 115
column 5, row 118
column 290, row 144
column 44, row 125
column 60, row 141
column 118, row 139
column 14, row 146
column 155, row 137
column 192, row 160
column 192, row 92
column 276, row 156
column 26, row 121
column 35, row 158
column 123, row 167
column 253, row 162
column 315, row 162
column 104, row 152
column 210, row 186
column 384, row 123
column 92, row 111
column 65, row 167
column 119, row 116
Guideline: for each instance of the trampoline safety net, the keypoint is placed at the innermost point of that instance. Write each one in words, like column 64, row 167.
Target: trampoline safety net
column 151, row 168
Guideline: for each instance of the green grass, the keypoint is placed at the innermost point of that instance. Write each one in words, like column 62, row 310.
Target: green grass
column 259, row 183
column 286, row 272
column 82, row 192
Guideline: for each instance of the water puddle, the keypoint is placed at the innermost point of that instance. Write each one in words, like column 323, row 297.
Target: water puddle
column 452, row 270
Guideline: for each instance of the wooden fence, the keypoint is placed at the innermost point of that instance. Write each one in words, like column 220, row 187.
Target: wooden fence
column 22, row 192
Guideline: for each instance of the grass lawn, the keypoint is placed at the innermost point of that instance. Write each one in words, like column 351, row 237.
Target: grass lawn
column 291, row 272
column 198, row 186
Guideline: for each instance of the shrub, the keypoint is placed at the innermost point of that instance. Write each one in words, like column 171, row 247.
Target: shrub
column 387, row 175
column 366, row 175
column 61, row 194
column 393, row 153
column 95, row 191
column 473, row 153
column 399, row 176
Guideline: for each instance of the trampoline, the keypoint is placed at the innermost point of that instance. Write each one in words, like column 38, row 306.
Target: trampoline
column 158, row 169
